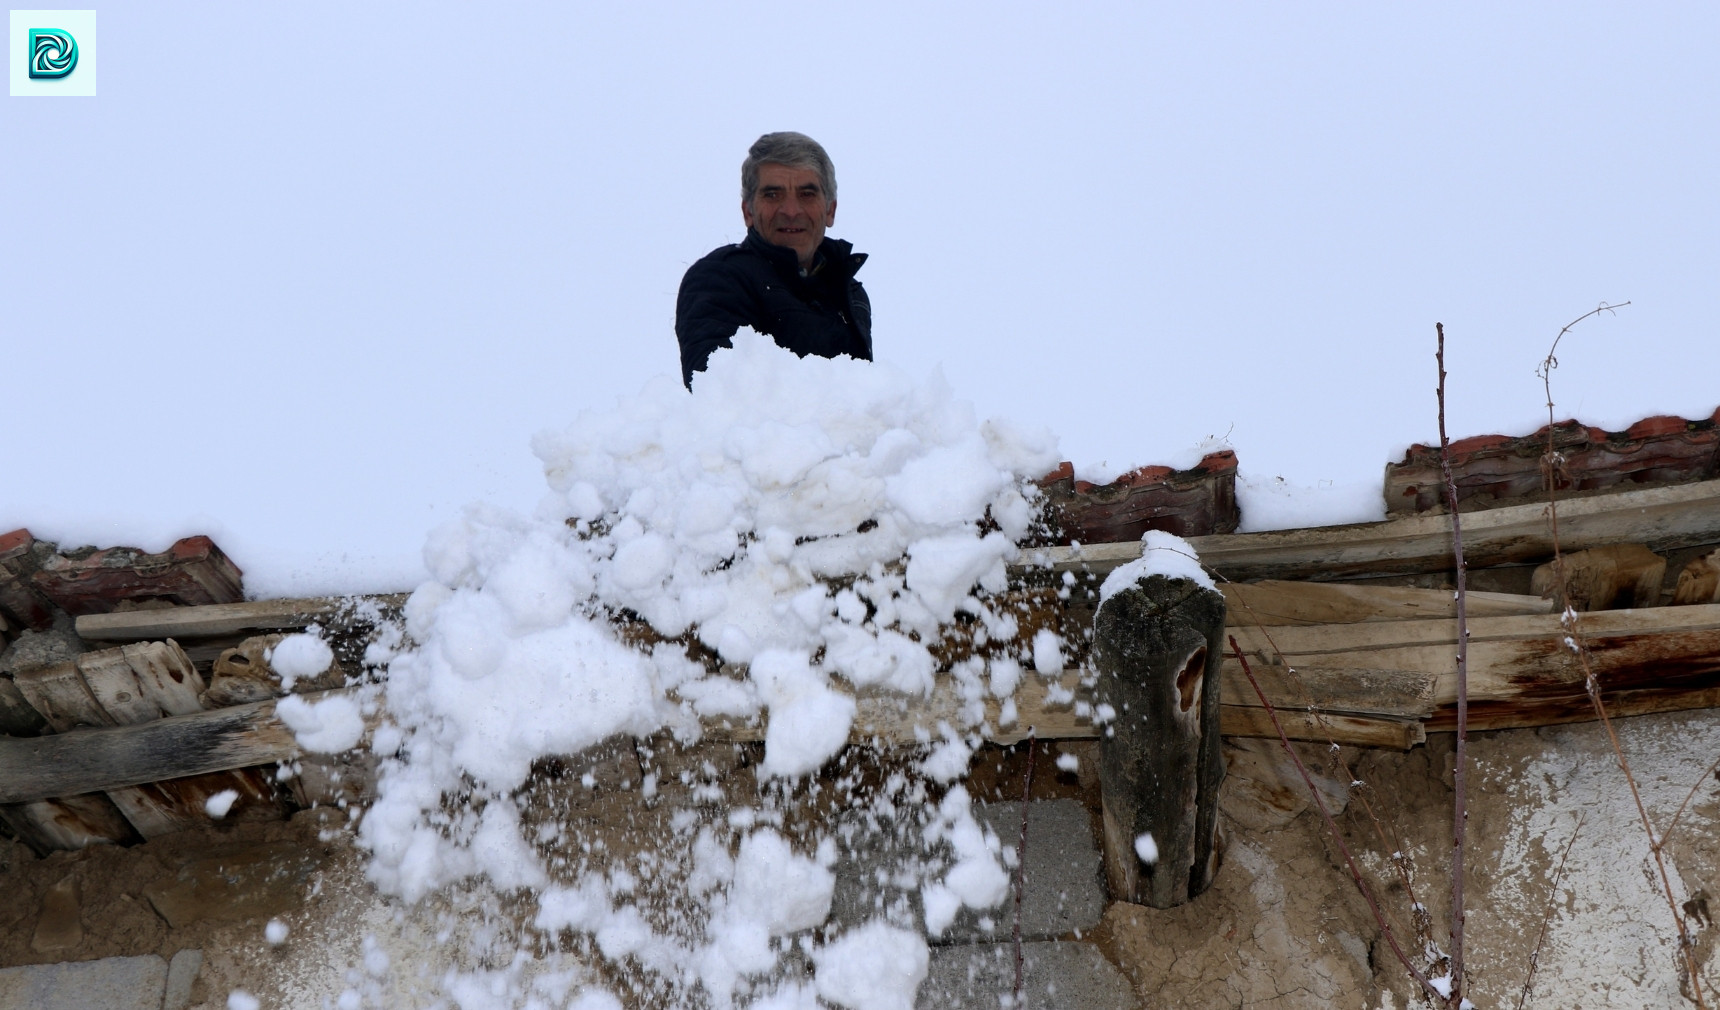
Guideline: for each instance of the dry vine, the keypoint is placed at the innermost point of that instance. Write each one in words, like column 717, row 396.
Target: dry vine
column 1552, row 463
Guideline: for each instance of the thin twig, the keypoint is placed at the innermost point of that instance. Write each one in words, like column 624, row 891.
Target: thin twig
column 1591, row 682
column 1021, row 862
column 1460, row 813
column 1547, row 917
column 1666, row 835
column 1332, row 826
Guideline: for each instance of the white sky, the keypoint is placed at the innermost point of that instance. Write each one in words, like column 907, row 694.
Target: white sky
column 308, row 277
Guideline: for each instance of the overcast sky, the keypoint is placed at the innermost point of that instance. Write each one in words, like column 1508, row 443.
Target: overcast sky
column 309, row 276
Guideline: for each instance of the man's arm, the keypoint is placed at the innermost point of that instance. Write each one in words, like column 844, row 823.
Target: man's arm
column 714, row 302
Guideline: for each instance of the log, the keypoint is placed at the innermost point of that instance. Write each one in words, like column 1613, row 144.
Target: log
column 47, row 825
column 166, row 675
column 60, row 694
column 145, row 682
column 1322, row 727
column 1275, row 603
column 17, row 716
column 91, row 760
column 242, row 675
column 1618, row 576
column 1699, row 582
column 115, row 687
column 222, row 618
column 1157, row 647
column 71, row 822
column 1374, row 683
column 1663, row 518
column 1519, row 662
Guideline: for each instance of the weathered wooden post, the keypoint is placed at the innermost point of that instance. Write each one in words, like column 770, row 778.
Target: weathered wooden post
column 1158, row 646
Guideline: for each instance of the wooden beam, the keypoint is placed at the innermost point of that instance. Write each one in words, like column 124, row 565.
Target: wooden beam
column 221, row 618
column 1276, row 603
column 1511, row 659
column 90, row 760
column 1322, row 727
column 1663, row 518
column 1373, row 683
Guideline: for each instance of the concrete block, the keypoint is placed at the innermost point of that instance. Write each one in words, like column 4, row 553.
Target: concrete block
column 112, row 983
column 1056, row 975
column 882, row 870
column 181, row 973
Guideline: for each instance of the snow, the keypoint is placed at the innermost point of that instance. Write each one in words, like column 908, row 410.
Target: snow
column 724, row 515
column 239, row 999
column 1161, row 554
column 300, row 656
column 1047, row 652
column 874, row 967
column 217, row 805
column 328, row 726
column 1068, row 762
column 275, row 932
column 1146, row 848
column 808, row 720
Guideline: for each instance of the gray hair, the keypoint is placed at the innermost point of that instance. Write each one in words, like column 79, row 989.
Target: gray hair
column 793, row 150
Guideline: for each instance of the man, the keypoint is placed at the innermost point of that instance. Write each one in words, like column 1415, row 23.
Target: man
column 786, row 279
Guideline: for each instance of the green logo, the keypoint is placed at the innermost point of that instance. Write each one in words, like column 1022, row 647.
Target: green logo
column 53, row 53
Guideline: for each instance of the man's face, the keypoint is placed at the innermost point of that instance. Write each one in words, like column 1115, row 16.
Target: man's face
column 789, row 208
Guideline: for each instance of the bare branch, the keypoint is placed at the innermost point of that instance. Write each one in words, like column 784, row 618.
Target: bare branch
column 1460, row 812
column 1547, row 917
column 1591, row 683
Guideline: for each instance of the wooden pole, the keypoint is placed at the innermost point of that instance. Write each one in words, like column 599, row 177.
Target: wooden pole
column 1158, row 646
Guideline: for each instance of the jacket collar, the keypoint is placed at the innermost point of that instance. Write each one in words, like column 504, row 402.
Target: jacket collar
column 831, row 252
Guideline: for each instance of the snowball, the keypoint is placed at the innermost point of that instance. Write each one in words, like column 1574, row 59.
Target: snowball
column 942, row 904
column 323, row 727
column 300, row 656
column 874, row 967
column 1161, row 554
column 809, row 722
column 275, row 932
column 948, row 761
column 1047, row 652
column 782, row 891
column 1005, row 676
column 595, row 999
column 216, row 806
column 942, row 570
column 1146, row 848
column 1068, row 762
column 239, row 999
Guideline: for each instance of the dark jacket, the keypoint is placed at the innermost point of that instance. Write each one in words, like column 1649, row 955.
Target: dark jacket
column 759, row 285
